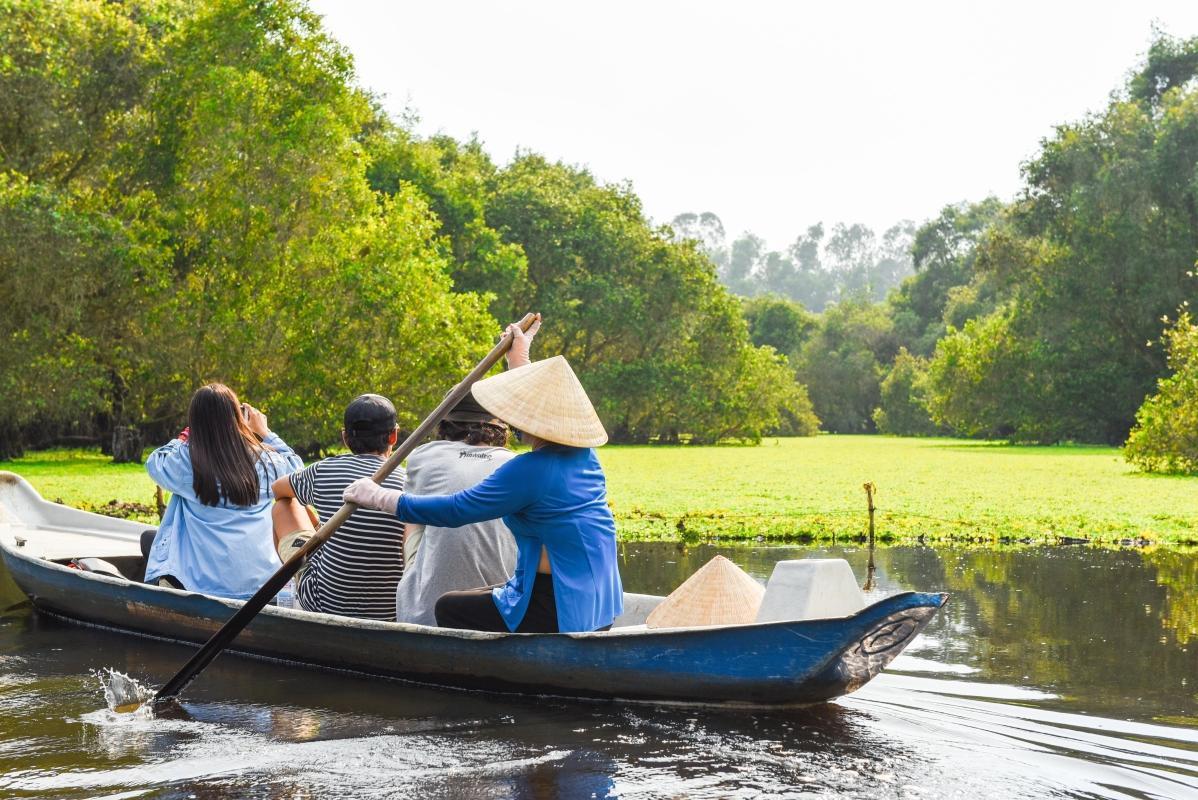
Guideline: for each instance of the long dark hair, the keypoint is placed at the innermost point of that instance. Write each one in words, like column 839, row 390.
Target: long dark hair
column 224, row 451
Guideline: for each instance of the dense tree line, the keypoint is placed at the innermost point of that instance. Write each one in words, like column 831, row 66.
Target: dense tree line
column 196, row 191
column 1036, row 320
column 1087, row 262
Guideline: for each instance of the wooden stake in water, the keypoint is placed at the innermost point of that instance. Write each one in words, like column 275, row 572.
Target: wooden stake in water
column 870, row 488
column 869, row 503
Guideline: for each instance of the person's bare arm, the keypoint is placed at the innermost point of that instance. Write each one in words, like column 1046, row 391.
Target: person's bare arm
column 281, row 488
column 283, row 491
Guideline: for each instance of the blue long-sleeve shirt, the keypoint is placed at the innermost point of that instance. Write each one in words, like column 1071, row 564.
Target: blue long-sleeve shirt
column 224, row 550
column 555, row 497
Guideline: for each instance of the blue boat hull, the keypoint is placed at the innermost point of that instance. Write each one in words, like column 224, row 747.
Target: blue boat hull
column 768, row 664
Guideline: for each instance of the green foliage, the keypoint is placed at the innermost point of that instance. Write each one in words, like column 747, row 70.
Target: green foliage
column 661, row 346
column 1165, row 438
column 902, row 408
column 214, row 223
column 72, row 335
column 852, row 263
column 195, row 191
column 989, row 380
column 945, row 289
column 1100, row 247
column 842, row 365
column 458, row 179
column 778, row 323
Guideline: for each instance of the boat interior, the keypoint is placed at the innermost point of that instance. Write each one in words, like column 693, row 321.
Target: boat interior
column 30, row 525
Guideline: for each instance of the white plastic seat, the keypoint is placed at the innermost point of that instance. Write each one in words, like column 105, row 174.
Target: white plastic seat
column 810, row 588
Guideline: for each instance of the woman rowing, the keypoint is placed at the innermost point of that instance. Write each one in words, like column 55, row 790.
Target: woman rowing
column 553, row 498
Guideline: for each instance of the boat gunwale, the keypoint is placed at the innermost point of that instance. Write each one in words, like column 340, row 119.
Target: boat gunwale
column 361, row 623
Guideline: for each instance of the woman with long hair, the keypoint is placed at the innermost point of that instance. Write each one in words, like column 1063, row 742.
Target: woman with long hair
column 215, row 537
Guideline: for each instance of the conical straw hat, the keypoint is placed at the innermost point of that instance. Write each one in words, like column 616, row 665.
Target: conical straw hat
column 719, row 593
column 543, row 398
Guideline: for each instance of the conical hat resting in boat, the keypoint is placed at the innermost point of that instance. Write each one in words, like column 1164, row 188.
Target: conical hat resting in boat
column 719, row 593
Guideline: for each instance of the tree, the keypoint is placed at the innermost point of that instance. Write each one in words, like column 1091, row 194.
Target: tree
column 76, row 282
column 902, row 407
column 1165, row 438
column 778, row 323
column 814, row 286
column 457, row 179
column 1095, row 252
column 707, row 230
column 743, row 273
column 842, row 365
column 662, row 347
column 852, row 263
column 944, row 254
column 214, row 222
column 989, row 380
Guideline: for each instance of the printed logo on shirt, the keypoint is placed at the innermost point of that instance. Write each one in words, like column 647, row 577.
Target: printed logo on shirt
column 473, row 453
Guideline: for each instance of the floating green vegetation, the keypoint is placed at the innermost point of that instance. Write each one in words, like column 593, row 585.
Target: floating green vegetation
column 810, row 490
column 930, row 490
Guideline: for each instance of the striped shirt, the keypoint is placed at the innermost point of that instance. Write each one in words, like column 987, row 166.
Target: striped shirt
column 356, row 571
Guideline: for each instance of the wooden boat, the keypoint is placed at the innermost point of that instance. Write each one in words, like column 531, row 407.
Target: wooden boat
column 764, row 664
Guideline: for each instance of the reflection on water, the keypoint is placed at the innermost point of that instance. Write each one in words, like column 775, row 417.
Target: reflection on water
column 1109, row 631
column 1063, row 672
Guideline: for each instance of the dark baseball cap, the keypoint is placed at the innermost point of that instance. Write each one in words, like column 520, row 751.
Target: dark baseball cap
column 368, row 414
column 469, row 410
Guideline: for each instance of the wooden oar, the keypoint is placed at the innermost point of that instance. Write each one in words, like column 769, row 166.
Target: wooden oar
column 223, row 637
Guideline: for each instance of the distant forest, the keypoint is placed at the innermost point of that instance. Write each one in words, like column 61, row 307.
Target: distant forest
column 821, row 266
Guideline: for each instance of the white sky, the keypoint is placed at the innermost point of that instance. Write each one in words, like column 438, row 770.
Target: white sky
column 774, row 115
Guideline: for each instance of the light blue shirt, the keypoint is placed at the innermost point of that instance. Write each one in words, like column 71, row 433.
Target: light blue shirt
column 553, row 497
column 223, row 550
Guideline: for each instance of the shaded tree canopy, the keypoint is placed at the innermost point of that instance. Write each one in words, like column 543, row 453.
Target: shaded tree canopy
column 194, row 191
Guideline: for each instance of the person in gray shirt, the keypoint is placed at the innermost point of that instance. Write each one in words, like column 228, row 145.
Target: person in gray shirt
column 439, row 560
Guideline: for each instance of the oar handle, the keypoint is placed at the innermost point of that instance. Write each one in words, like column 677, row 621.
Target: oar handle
column 223, row 637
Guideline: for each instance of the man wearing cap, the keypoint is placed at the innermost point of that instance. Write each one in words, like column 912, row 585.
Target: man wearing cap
column 356, row 572
column 471, row 445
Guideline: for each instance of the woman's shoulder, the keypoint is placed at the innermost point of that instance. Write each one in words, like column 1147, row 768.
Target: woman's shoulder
column 271, row 455
column 173, row 456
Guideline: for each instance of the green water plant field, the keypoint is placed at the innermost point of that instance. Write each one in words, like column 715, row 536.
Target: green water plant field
column 937, row 489
column 810, row 489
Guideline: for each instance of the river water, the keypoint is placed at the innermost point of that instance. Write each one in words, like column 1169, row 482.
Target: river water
column 1063, row 672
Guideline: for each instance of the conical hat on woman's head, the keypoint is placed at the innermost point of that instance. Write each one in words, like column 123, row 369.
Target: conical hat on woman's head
column 719, row 593
column 545, row 399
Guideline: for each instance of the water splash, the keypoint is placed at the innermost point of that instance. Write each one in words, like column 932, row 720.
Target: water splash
column 123, row 693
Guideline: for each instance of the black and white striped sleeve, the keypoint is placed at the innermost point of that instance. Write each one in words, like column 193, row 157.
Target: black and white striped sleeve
column 303, row 483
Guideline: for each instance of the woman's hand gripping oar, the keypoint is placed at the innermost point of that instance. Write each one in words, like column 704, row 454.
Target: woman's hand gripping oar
column 223, row 637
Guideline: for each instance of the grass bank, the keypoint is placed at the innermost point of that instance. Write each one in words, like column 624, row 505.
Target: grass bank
column 810, row 490
column 934, row 489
